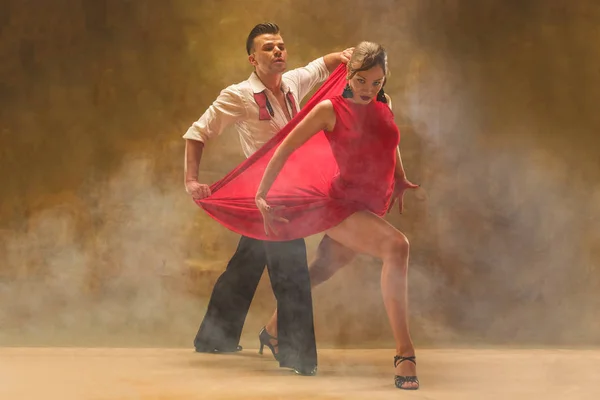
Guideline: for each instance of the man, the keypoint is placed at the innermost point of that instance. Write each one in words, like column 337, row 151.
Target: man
column 259, row 107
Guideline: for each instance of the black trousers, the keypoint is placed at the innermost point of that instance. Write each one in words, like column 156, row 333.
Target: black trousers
column 232, row 294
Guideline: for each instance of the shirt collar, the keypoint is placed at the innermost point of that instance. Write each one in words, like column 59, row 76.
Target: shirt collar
column 258, row 87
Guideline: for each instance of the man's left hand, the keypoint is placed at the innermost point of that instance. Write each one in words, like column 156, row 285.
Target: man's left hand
column 346, row 55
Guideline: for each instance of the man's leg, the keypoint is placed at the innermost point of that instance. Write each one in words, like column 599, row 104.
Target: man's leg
column 288, row 271
column 232, row 294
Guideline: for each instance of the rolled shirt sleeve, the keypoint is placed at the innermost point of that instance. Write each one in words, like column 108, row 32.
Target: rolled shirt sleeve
column 307, row 77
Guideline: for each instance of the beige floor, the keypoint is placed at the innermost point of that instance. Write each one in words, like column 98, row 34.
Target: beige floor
column 178, row 374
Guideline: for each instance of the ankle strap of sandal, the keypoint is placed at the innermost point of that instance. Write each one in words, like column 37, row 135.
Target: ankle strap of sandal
column 264, row 330
column 400, row 359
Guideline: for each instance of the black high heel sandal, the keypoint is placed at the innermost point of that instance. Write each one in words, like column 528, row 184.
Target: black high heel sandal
column 401, row 380
column 265, row 340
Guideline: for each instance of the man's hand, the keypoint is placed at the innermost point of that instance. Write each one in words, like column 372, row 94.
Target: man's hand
column 399, row 188
column 346, row 55
column 197, row 190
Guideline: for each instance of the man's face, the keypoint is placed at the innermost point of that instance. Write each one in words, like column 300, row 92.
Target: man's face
column 269, row 55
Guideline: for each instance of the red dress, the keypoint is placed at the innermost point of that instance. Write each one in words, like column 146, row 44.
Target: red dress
column 330, row 177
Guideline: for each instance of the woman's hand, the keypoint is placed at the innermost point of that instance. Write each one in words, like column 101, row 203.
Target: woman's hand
column 269, row 217
column 401, row 185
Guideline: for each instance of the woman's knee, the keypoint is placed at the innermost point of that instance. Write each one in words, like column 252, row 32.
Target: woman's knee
column 397, row 246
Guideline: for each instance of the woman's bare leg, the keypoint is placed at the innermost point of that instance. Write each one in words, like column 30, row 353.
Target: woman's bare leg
column 365, row 232
column 331, row 257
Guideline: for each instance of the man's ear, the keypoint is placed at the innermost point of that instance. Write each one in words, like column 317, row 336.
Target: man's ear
column 252, row 60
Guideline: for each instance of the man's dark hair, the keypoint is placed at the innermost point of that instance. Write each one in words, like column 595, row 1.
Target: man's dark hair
column 260, row 29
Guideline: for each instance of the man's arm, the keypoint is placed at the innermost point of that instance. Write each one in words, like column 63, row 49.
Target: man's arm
column 193, row 154
column 332, row 60
column 227, row 109
column 304, row 79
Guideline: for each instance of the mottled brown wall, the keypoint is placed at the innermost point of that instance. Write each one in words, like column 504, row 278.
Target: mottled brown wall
column 496, row 101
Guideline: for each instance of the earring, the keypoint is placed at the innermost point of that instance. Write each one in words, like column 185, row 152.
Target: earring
column 347, row 93
column 381, row 96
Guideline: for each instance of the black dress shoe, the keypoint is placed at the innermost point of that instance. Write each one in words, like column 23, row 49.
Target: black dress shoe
column 306, row 371
column 219, row 349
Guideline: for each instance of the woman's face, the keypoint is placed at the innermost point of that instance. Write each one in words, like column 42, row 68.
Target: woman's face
column 366, row 84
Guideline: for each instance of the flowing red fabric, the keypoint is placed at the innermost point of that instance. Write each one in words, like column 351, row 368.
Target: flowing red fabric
column 303, row 188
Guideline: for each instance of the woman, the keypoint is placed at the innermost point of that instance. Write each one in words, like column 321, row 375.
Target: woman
column 335, row 168
column 364, row 140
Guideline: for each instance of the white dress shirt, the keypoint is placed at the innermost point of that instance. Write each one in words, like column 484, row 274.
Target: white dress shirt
column 236, row 105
